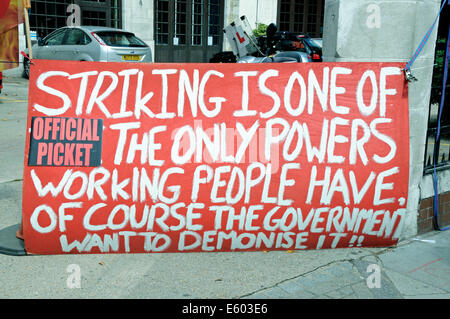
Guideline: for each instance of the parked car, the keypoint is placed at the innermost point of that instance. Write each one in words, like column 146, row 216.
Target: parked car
column 90, row 43
column 281, row 57
column 313, row 47
column 284, row 41
column 223, row 57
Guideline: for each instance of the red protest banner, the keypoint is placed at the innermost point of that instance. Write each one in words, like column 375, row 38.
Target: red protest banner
column 214, row 157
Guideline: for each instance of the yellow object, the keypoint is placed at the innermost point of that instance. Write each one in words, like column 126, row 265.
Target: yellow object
column 27, row 4
column 131, row 57
column 9, row 36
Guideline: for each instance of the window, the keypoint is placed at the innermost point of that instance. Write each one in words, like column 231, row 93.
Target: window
column 162, row 22
column 49, row 15
column 120, row 39
column 94, row 18
column 180, row 22
column 77, row 37
column 301, row 16
column 312, row 18
column 304, row 47
column 285, row 13
column 437, row 147
column 56, row 38
column 197, row 22
column 213, row 22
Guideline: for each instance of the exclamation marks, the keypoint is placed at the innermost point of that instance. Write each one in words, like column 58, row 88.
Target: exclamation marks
column 354, row 239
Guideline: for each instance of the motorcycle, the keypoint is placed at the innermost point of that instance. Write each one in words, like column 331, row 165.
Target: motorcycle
column 275, row 47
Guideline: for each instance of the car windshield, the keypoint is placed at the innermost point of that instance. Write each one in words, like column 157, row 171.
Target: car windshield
column 120, row 39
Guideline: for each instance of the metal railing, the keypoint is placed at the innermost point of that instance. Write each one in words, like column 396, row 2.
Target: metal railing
column 437, row 148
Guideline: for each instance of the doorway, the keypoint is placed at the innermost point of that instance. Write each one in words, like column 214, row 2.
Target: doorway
column 188, row 30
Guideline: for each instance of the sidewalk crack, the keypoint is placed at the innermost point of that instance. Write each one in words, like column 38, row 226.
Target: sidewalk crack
column 292, row 278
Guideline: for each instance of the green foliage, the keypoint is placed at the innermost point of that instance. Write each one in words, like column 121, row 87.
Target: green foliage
column 438, row 71
column 260, row 30
column 439, row 61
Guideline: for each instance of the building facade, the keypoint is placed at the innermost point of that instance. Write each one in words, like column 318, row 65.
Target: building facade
column 178, row 30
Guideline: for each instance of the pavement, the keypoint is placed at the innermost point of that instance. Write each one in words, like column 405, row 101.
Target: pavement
column 417, row 267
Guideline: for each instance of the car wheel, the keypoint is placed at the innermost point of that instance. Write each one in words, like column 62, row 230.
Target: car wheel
column 26, row 68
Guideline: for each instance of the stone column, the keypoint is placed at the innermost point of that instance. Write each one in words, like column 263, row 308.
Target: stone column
column 138, row 17
column 389, row 31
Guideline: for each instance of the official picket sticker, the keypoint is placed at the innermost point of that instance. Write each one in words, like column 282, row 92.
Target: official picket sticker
column 62, row 141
